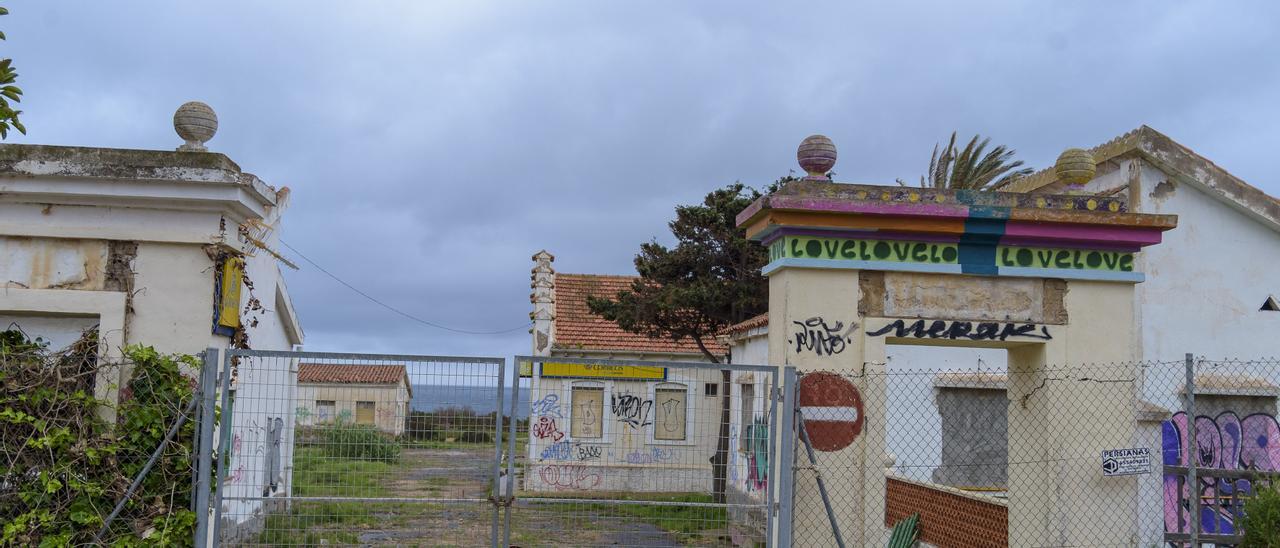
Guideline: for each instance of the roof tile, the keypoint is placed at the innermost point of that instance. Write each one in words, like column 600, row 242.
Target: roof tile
column 350, row 373
column 577, row 328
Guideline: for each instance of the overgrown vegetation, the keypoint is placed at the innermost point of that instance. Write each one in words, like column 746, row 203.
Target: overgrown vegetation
column 1261, row 520
column 460, row 424
column 344, row 440
column 68, row 466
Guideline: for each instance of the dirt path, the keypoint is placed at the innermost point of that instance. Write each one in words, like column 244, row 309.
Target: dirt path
column 465, row 473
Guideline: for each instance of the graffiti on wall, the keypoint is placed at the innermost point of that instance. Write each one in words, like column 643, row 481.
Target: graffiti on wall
column 631, row 410
column 546, row 428
column 757, row 452
column 817, row 336
column 549, row 405
column 652, row 455
column 562, row 477
column 1226, row 442
column 980, row 331
column 275, row 430
column 563, row 450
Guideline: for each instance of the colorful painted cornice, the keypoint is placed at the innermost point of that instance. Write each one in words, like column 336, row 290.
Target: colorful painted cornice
column 832, row 225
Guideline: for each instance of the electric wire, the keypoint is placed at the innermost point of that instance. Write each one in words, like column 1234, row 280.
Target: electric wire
column 397, row 310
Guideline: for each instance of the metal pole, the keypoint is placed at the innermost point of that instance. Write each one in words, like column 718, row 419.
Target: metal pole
column 822, row 485
column 208, row 391
column 1192, row 451
column 224, row 447
column 497, row 455
column 787, row 458
column 776, row 398
column 511, row 455
column 182, row 419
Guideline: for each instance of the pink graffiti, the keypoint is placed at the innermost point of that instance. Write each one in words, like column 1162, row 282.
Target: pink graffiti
column 546, row 428
column 236, row 475
column 568, row 477
column 1227, row 442
column 235, row 444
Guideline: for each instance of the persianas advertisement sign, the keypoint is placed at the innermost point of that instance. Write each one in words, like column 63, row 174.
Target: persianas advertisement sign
column 596, row 371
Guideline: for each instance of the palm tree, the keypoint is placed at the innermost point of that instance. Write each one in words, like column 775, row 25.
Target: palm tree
column 970, row 169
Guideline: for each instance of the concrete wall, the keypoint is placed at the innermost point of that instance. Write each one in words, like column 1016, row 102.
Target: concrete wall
column 1218, row 262
column 390, row 404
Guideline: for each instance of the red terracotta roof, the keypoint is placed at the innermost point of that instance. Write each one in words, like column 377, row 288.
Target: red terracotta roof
column 745, row 326
column 577, row 328
column 350, row 373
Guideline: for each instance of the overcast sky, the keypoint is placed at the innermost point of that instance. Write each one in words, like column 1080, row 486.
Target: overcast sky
column 432, row 147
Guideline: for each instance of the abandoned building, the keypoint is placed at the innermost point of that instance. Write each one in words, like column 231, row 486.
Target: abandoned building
column 638, row 428
column 156, row 248
column 373, row 395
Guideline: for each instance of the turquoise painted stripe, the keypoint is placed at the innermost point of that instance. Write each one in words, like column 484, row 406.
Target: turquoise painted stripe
column 1073, row 274
column 792, row 262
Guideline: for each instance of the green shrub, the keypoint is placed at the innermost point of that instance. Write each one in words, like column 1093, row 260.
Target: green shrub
column 67, row 467
column 357, row 442
column 1261, row 520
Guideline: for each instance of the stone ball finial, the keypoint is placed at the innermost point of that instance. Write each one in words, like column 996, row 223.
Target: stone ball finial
column 196, row 123
column 1075, row 166
column 817, row 155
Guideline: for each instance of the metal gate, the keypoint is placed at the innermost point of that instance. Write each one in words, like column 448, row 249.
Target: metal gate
column 372, row 449
column 641, row 453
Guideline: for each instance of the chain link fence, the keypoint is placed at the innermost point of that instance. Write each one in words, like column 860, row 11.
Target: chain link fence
column 1084, row 455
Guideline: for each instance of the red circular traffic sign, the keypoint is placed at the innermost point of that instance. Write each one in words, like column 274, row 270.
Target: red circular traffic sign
column 832, row 410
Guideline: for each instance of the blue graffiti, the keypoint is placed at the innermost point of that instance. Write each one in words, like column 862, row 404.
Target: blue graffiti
column 560, row 450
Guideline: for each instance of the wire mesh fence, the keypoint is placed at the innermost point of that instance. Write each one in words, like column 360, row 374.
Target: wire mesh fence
column 644, row 454
column 344, row 449
column 1087, row 455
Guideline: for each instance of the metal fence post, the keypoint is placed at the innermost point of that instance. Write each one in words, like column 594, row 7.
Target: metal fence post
column 224, row 445
column 787, row 456
column 208, row 380
column 1192, row 451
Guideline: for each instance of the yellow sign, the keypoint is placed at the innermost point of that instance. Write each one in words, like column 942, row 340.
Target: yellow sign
column 593, row 371
column 232, row 278
column 526, row 370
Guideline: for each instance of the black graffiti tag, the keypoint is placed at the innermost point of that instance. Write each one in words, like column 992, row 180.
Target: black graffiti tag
column 817, row 336
column 981, row 331
column 631, row 410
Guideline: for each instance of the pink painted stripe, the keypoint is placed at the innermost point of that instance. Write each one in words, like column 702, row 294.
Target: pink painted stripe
column 1097, row 234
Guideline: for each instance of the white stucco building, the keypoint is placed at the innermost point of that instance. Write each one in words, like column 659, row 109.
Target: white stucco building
column 143, row 245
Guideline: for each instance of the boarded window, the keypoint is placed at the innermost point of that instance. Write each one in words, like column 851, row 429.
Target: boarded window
column 325, row 410
column 670, row 402
column 748, row 414
column 588, row 412
column 364, row 412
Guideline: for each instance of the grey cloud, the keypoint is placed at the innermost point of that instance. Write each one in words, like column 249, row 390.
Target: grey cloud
column 432, row 148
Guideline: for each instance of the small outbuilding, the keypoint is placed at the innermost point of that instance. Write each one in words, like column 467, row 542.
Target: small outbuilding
column 375, row 395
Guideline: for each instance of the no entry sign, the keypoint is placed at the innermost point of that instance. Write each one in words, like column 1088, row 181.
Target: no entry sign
column 832, row 410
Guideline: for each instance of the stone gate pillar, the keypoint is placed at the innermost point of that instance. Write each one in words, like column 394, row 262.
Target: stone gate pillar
column 856, row 268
